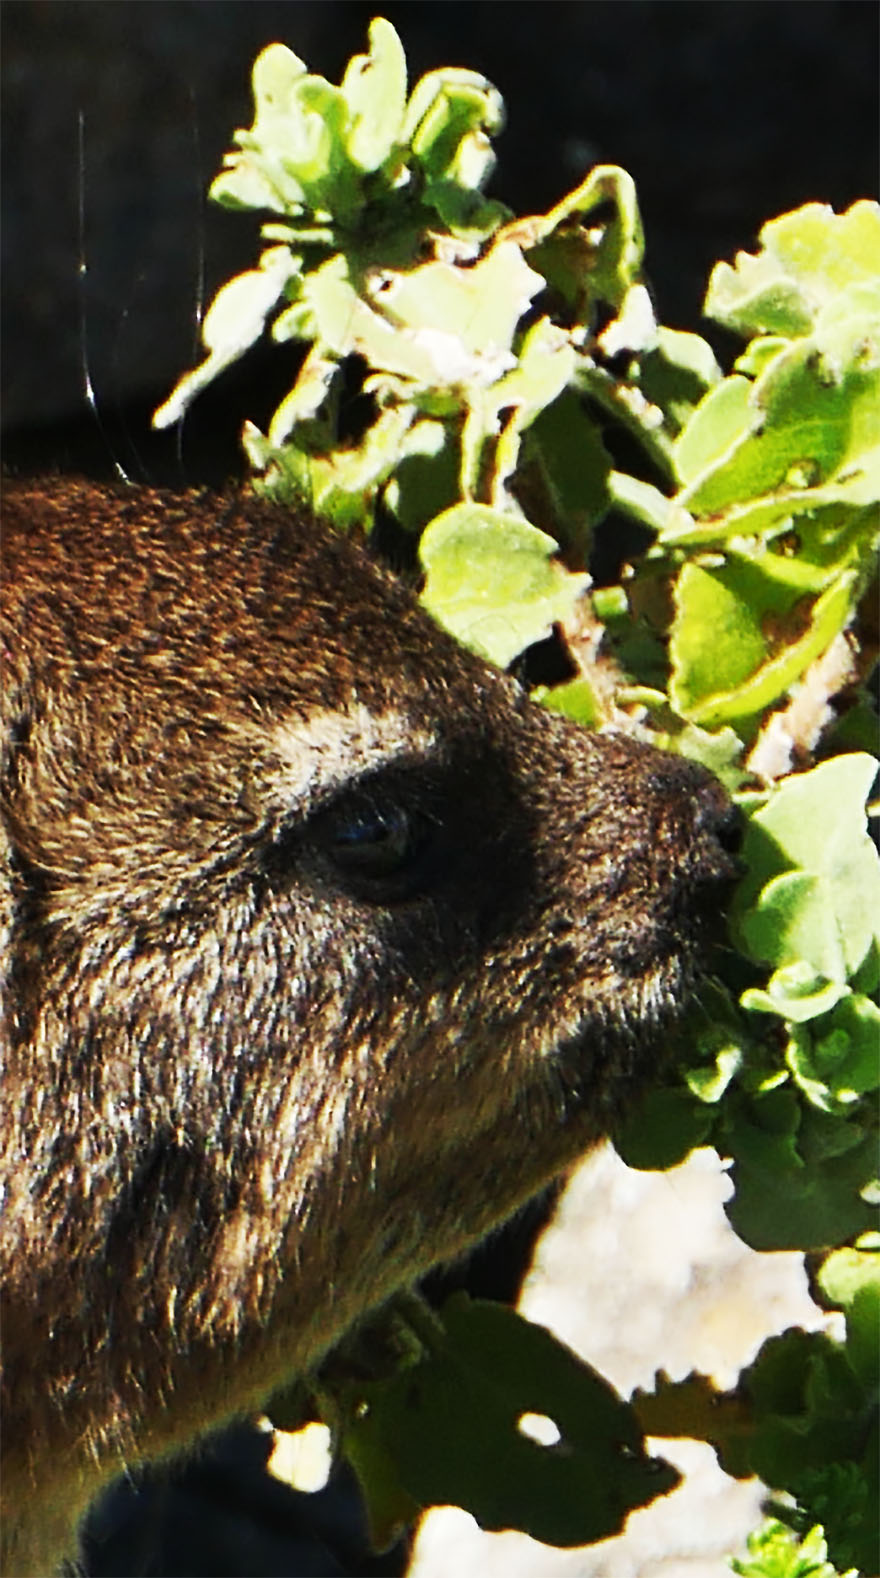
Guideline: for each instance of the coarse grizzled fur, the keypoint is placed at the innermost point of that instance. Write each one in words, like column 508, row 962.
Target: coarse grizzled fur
column 324, row 949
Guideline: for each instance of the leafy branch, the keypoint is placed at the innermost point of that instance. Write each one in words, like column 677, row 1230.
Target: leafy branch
column 469, row 375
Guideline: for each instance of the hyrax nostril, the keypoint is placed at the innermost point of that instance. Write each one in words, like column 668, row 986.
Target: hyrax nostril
column 728, row 829
column 717, row 819
column 691, row 788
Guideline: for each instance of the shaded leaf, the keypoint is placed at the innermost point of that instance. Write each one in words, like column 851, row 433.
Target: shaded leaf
column 454, row 1427
column 798, row 1173
column 695, row 1409
column 663, row 1129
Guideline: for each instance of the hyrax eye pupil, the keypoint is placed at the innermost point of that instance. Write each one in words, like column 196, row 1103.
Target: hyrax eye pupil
column 374, row 843
column 367, row 838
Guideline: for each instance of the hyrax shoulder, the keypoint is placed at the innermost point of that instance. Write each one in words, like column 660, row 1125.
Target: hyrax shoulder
column 326, row 949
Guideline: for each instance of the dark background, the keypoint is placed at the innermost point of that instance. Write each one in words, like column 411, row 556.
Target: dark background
column 725, row 113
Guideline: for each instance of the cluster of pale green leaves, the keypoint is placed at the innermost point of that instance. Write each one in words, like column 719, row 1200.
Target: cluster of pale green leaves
column 498, row 355
column 469, row 375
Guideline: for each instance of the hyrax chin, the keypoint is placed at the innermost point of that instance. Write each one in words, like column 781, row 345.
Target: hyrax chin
column 325, row 950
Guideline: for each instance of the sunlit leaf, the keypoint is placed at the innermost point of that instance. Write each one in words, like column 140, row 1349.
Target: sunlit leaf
column 814, row 824
column 374, row 87
column 492, row 581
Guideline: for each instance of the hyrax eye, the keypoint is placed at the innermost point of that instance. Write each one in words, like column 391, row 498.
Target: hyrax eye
column 379, row 847
column 375, row 841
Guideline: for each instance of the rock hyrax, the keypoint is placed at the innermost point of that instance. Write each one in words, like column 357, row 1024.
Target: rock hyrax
column 325, row 949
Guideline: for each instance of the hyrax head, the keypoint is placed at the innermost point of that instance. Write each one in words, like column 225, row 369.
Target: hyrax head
column 327, row 949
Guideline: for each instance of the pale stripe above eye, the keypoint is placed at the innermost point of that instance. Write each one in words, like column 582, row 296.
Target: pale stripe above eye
column 331, row 748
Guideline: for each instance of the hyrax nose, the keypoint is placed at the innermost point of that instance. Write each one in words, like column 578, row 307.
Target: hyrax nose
column 718, row 817
column 728, row 829
column 692, row 810
column 717, row 824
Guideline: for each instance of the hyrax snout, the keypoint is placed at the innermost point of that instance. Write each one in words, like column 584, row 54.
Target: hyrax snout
column 325, row 949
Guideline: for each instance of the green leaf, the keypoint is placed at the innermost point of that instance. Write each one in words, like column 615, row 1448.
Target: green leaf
column 497, row 415
column 835, row 526
column 863, row 1333
column 791, row 920
column 449, row 120
column 759, row 353
column 294, row 156
column 708, row 1083
column 676, row 374
column 479, row 306
column 814, row 825
column 390, row 1509
column 837, row 1060
column 374, row 87
column 717, row 641
column 810, row 417
column 743, row 634
column 717, row 424
column 795, row 991
column 718, row 749
column 845, row 1272
column 576, row 698
column 775, row 1552
column 340, row 485
column 640, row 500
column 566, row 465
column 425, row 481
column 800, row 1386
column 234, row 321
column 249, row 181
column 694, row 1408
column 587, row 261
column 781, row 474
column 492, row 581
column 457, row 1428
column 663, row 1129
column 798, row 1173
column 798, row 1419
column 436, row 325
column 807, row 258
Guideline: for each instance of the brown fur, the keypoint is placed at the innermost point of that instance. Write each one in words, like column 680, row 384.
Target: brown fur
column 326, row 949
